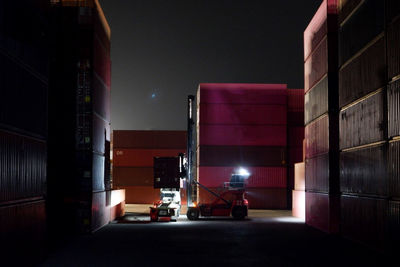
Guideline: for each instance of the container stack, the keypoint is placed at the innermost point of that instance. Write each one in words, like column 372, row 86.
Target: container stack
column 133, row 159
column 243, row 125
column 321, row 119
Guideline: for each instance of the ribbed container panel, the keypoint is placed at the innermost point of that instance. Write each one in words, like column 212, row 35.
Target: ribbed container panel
column 102, row 61
column 98, row 173
column 267, row 198
column 241, row 156
column 295, row 136
column 393, row 53
column 362, row 123
column 317, row 137
column 316, row 101
column 242, row 114
column 363, row 75
column 363, row 219
column 101, row 99
column 248, row 135
column 295, row 100
column 392, row 9
column 141, row 157
column 295, row 155
column 149, row 139
column 346, row 7
column 100, row 209
column 394, row 108
column 393, row 219
column 322, row 212
column 133, row 176
column 394, row 169
column 22, row 167
column 364, row 171
column 359, row 29
column 317, row 173
column 316, row 66
column 260, row 176
column 237, row 93
column 140, row 194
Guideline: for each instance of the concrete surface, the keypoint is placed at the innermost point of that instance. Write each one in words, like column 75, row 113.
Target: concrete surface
column 266, row 238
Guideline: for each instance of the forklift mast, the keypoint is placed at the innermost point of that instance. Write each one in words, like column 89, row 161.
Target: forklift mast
column 189, row 171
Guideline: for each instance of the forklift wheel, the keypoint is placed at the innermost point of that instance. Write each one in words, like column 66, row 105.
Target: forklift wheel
column 239, row 213
column 192, row 214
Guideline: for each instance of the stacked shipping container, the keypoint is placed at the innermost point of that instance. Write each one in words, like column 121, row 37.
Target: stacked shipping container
column 243, row 125
column 321, row 119
column 23, row 130
column 133, row 158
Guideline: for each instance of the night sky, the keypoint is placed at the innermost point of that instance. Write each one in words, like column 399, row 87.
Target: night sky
column 162, row 49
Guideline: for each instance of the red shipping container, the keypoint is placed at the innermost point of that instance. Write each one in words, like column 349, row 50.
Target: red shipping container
column 141, row 157
column 260, row 176
column 249, row 135
column 323, row 212
column 149, row 139
column 295, row 99
column 242, row 114
column 299, row 204
column 133, row 176
column 317, row 137
column 240, row 93
column 140, row 194
column 295, row 136
column 316, row 66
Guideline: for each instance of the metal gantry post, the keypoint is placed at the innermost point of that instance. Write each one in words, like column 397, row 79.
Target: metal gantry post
column 190, row 123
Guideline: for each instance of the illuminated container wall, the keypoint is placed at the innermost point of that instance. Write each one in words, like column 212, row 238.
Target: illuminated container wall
column 133, row 160
column 246, row 125
column 321, row 119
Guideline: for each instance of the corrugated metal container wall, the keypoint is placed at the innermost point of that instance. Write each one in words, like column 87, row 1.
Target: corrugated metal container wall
column 267, row 198
column 100, row 209
column 363, row 75
column 317, row 173
column 393, row 225
column 295, row 100
column 363, row 171
column 392, row 10
column 241, row 156
column 346, row 7
column 133, row 176
column 394, row 169
column 317, row 137
column 316, row 66
column 149, row 139
column 316, row 101
column 22, row 167
column 393, row 53
column 363, row 26
column 394, row 108
column 362, row 123
column 140, row 194
column 363, row 219
column 295, row 136
column 322, row 211
column 260, row 176
column 141, row 157
column 295, row 155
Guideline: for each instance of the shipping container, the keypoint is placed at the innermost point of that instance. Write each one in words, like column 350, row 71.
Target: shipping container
column 323, row 212
column 299, row 176
column 393, row 53
column 363, row 122
column 167, row 172
column 133, row 176
column 149, row 139
column 295, row 100
column 392, row 10
column 363, row 75
column 299, row 204
column 295, row 155
column 346, row 7
column 317, row 174
column 363, row 219
column 100, row 209
column 316, row 66
column 259, row 176
column 393, row 96
column 317, row 137
column 316, row 101
column 125, row 157
column 224, row 114
column 241, row 156
column 295, row 136
column 295, row 118
column 394, row 169
column 237, row 93
column 366, row 23
column 246, row 135
column 140, row 194
column 393, row 226
column 364, row 171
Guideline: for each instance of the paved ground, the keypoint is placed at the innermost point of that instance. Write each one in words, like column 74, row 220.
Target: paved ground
column 266, row 238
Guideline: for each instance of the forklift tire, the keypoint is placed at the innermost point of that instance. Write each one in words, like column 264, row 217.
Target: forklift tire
column 192, row 214
column 239, row 213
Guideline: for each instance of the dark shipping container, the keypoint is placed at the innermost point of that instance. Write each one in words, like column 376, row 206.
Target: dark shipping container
column 141, row 157
column 295, row 118
column 393, row 96
column 316, row 101
column 317, row 137
column 133, row 176
column 149, row 139
column 393, row 226
column 322, row 212
column 317, row 174
column 316, row 66
column 392, row 10
column 393, row 53
column 394, row 169
column 295, row 136
column 295, row 155
column 166, row 172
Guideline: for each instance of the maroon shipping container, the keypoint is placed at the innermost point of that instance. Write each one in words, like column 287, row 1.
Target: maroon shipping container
column 295, row 136
column 149, row 139
column 317, row 174
column 316, row 66
column 363, row 75
column 241, row 93
column 295, row 100
column 133, row 176
column 394, row 169
column 295, row 155
column 346, row 7
column 274, row 177
column 316, row 101
column 363, row 122
column 317, row 137
column 242, row 114
column 141, row 157
column 322, row 212
column 241, row 156
column 141, row 194
column 393, row 53
column 363, row 219
column 393, row 96
column 364, row 171
column 248, row 135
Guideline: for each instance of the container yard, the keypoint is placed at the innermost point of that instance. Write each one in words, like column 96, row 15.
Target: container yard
column 253, row 172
